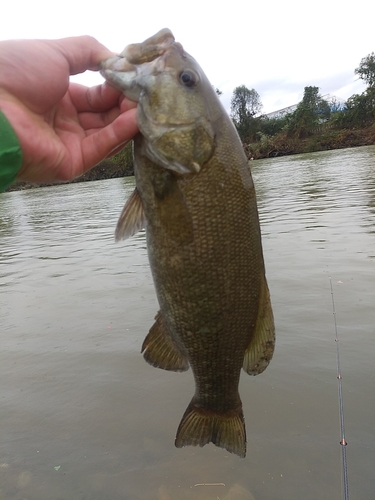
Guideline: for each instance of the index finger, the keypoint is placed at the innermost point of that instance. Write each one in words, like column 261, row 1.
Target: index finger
column 82, row 52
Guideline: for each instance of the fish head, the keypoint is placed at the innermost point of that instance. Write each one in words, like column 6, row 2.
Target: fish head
column 177, row 105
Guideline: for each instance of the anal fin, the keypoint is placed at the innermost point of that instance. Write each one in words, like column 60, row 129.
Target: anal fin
column 161, row 351
column 260, row 350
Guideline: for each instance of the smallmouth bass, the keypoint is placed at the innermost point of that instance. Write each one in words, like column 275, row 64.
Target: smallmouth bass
column 195, row 196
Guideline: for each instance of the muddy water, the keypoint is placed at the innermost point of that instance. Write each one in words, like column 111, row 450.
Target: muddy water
column 82, row 416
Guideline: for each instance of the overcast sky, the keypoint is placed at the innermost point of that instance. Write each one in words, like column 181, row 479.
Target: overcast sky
column 276, row 47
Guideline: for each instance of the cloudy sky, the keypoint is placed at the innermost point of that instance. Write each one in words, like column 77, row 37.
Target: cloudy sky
column 276, row 47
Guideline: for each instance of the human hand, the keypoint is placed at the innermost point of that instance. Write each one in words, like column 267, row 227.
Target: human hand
column 64, row 128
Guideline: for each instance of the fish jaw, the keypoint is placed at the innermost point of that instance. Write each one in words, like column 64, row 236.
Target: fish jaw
column 127, row 77
column 163, row 142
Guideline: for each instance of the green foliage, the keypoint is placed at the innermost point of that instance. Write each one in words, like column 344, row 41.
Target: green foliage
column 245, row 102
column 310, row 112
column 321, row 124
column 366, row 70
column 272, row 126
column 245, row 105
column 338, row 119
column 360, row 109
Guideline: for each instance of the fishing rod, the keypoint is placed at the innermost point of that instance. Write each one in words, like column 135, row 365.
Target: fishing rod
column 343, row 441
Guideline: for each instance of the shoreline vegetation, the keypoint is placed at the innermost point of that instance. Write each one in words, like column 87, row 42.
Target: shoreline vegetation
column 282, row 145
column 315, row 124
column 121, row 165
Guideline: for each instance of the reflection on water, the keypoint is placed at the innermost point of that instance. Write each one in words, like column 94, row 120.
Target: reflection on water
column 84, row 417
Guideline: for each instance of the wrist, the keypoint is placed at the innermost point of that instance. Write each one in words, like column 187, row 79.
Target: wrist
column 10, row 153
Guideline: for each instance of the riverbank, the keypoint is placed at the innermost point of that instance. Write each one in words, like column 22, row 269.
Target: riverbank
column 111, row 168
column 269, row 147
column 281, row 144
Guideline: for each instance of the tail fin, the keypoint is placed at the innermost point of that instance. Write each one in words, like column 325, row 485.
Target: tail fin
column 226, row 430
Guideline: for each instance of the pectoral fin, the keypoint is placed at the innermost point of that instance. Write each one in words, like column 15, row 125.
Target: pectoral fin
column 132, row 218
column 261, row 347
column 173, row 211
column 161, row 351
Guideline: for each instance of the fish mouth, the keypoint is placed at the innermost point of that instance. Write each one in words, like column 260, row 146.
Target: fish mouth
column 138, row 61
column 128, row 77
column 119, row 72
column 116, row 63
column 140, row 54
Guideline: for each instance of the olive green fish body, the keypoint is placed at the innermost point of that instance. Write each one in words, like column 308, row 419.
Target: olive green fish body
column 196, row 197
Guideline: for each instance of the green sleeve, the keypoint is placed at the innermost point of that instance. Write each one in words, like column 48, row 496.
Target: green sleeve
column 10, row 154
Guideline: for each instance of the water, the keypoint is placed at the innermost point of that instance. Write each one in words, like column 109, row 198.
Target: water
column 83, row 416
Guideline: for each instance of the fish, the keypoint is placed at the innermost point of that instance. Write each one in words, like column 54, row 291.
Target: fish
column 195, row 197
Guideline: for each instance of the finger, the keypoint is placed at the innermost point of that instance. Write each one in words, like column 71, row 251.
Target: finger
column 98, row 121
column 98, row 145
column 99, row 98
column 82, row 52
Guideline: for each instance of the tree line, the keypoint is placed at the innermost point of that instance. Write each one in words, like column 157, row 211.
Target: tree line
column 311, row 114
column 327, row 125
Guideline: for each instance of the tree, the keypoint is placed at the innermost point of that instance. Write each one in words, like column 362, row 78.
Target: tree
column 272, row 126
column 309, row 113
column 244, row 105
column 360, row 109
column 366, row 69
column 313, row 101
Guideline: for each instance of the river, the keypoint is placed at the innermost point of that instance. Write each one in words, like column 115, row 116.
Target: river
column 83, row 417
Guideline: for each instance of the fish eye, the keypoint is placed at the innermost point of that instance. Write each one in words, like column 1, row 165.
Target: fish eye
column 188, row 78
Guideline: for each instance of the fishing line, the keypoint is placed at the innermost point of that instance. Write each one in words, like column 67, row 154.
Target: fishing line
column 343, row 441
